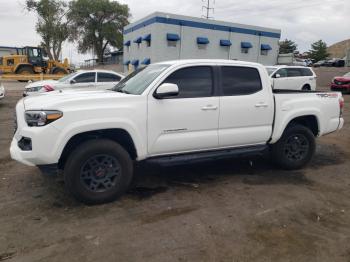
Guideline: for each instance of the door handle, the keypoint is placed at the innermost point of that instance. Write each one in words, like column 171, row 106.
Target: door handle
column 209, row 107
column 262, row 104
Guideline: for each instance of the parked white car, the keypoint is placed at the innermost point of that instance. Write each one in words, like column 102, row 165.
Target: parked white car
column 169, row 112
column 292, row 78
column 2, row 91
column 82, row 79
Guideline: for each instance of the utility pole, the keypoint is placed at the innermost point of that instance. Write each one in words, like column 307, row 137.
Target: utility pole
column 207, row 8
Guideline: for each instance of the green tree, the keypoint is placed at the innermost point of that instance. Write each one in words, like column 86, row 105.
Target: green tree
column 98, row 24
column 52, row 24
column 318, row 51
column 287, row 46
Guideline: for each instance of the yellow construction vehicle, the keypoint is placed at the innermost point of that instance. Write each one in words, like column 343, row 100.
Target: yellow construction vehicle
column 29, row 61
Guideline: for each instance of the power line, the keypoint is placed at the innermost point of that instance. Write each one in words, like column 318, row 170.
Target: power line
column 207, row 9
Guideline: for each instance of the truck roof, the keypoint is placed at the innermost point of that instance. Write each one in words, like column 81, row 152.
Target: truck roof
column 209, row 61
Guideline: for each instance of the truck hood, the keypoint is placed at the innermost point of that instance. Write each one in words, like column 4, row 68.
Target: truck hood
column 58, row 99
column 41, row 83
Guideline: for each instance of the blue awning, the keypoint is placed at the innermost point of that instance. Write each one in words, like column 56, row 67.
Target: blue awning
column 127, row 62
column 127, row 43
column 265, row 47
column 246, row 45
column 224, row 42
column 202, row 40
column 172, row 37
column 138, row 40
column 147, row 38
column 135, row 62
column 146, row 61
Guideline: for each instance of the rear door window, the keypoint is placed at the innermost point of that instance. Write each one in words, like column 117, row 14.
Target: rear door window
column 293, row 72
column 194, row 81
column 85, row 78
column 107, row 77
column 306, row 72
column 240, row 80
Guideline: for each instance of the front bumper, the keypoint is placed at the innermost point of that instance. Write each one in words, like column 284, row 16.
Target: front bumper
column 340, row 88
column 43, row 142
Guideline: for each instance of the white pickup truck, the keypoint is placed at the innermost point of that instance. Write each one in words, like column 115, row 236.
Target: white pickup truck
column 169, row 112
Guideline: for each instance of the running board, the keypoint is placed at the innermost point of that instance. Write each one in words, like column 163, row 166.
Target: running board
column 169, row 160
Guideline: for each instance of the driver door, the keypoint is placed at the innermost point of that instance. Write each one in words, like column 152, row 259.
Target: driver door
column 188, row 121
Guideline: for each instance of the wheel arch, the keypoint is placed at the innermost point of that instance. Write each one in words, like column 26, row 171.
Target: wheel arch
column 118, row 135
column 23, row 65
column 311, row 121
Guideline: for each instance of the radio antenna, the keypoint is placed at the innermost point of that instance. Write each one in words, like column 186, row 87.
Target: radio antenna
column 207, row 8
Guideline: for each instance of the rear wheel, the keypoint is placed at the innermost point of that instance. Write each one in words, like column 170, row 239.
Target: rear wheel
column 306, row 88
column 25, row 70
column 59, row 71
column 295, row 148
column 98, row 171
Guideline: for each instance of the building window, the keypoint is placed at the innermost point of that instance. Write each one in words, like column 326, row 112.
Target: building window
column 264, row 49
column 200, row 46
column 264, row 52
column 172, row 43
column 244, row 50
column 147, row 39
column 172, row 39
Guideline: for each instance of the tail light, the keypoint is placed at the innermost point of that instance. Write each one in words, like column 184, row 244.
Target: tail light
column 341, row 105
column 48, row 88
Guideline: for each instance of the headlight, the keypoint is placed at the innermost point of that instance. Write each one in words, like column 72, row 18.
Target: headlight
column 34, row 89
column 41, row 118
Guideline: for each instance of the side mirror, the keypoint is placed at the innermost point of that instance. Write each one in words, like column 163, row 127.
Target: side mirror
column 72, row 81
column 166, row 90
column 277, row 75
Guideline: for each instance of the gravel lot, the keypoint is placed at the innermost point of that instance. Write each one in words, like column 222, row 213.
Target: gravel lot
column 232, row 210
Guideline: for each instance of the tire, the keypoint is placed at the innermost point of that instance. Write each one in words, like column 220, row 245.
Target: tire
column 295, row 148
column 98, row 171
column 59, row 71
column 25, row 70
column 306, row 88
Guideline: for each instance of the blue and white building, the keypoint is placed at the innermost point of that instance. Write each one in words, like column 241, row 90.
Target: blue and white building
column 162, row 36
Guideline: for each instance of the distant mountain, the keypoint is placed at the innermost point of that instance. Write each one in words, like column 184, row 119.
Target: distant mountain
column 338, row 50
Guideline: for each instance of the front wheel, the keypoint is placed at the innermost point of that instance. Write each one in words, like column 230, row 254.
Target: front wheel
column 295, row 148
column 98, row 171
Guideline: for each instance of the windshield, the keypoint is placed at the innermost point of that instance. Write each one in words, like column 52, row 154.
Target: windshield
column 270, row 70
column 136, row 82
column 347, row 74
column 65, row 78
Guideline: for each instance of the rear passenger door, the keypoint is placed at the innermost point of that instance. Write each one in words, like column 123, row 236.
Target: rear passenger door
column 106, row 80
column 246, row 108
column 188, row 121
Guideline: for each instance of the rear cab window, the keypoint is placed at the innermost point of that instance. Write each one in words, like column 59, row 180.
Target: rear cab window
column 240, row 80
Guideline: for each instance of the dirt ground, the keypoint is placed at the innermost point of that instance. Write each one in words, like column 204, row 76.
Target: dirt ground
column 232, row 210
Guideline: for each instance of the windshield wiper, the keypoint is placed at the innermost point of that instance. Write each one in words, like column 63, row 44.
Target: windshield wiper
column 123, row 91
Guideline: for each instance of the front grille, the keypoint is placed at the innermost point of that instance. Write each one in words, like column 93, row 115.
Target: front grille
column 341, row 82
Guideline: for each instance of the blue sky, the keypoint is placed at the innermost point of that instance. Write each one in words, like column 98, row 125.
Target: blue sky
column 303, row 21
